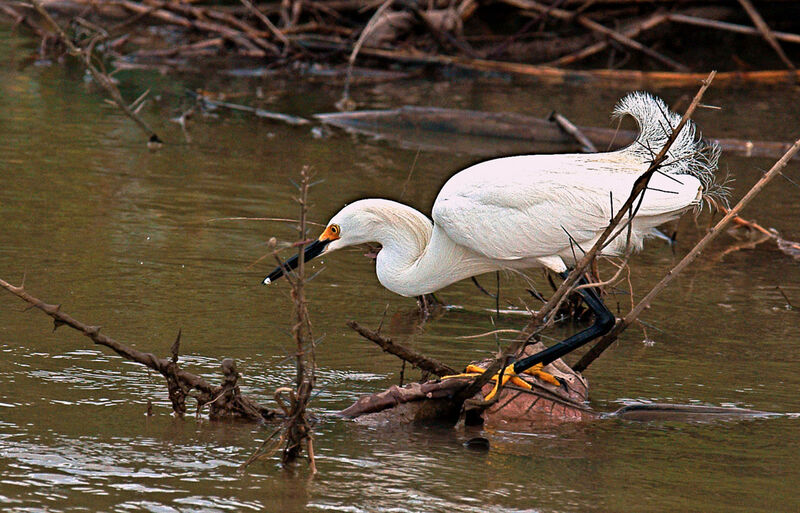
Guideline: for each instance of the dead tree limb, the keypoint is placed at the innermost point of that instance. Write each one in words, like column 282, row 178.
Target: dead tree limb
column 730, row 27
column 762, row 27
column 223, row 401
column 415, row 358
column 599, row 28
column 609, row 338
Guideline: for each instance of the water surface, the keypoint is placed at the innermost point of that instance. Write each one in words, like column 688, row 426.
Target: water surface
column 121, row 237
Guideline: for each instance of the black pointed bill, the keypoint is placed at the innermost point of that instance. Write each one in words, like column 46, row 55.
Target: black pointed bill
column 313, row 250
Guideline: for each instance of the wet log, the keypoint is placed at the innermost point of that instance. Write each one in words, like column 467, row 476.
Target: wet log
column 441, row 400
column 649, row 412
column 410, row 121
column 520, row 409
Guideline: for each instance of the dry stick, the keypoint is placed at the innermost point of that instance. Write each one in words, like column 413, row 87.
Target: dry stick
column 730, row 27
column 167, row 368
column 101, row 78
column 267, row 23
column 253, row 37
column 631, row 32
column 789, row 247
column 357, row 47
column 597, row 27
column 416, row 359
column 766, row 32
column 609, row 338
column 567, row 285
column 568, row 127
column 297, row 426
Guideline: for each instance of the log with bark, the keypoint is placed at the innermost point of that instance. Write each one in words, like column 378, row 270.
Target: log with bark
column 417, row 126
column 516, row 408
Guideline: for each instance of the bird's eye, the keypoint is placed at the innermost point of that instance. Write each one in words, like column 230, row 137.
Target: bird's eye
column 335, row 229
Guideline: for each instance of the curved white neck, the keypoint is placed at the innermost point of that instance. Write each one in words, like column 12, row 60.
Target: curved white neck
column 412, row 269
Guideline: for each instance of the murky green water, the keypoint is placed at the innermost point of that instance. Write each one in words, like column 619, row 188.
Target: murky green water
column 121, row 237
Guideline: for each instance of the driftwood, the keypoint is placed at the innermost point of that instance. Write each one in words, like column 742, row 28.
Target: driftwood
column 412, row 121
column 224, row 401
column 526, row 37
column 415, row 358
column 518, row 408
column 440, row 400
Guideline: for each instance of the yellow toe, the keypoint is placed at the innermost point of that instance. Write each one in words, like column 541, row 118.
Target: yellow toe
column 537, row 371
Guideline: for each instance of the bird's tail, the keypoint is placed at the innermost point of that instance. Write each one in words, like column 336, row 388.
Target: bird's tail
column 689, row 153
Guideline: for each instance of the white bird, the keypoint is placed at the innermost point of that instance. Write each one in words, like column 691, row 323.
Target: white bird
column 530, row 211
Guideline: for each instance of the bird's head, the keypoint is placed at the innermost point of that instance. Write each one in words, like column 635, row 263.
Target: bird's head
column 354, row 224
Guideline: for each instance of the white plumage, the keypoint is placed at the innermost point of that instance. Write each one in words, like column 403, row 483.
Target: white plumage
column 520, row 212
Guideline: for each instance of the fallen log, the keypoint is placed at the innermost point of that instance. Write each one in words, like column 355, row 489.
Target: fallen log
column 519, row 409
column 411, row 123
column 439, row 400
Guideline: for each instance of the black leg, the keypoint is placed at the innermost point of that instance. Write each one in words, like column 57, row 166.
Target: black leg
column 603, row 322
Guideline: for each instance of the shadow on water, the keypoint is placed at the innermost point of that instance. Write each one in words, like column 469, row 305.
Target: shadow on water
column 119, row 236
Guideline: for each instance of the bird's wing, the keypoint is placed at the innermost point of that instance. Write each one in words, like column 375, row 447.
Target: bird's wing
column 531, row 206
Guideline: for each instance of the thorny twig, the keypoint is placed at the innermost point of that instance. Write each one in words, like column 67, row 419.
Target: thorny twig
column 179, row 381
column 609, row 338
column 296, row 427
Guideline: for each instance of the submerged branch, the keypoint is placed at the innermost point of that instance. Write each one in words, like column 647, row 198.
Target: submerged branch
column 223, row 401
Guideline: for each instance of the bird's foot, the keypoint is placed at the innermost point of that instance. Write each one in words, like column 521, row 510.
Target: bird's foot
column 473, row 371
column 537, row 371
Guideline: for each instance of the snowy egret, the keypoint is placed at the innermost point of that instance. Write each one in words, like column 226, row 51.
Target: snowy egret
column 530, row 211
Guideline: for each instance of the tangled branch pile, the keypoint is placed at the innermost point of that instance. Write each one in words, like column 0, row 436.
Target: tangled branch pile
column 491, row 35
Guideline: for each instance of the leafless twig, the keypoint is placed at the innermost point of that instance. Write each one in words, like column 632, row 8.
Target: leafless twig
column 609, row 338
column 101, row 78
